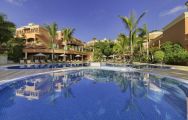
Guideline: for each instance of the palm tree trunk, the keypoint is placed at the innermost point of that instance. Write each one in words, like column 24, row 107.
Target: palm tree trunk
column 52, row 50
column 140, row 52
column 131, row 45
column 65, row 50
column 148, row 49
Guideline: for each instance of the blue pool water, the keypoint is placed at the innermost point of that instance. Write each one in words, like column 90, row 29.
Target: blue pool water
column 46, row 66
column 93, row 94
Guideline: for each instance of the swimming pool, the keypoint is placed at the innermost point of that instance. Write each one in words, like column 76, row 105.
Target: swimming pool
column 46, row 66
column 93, row 94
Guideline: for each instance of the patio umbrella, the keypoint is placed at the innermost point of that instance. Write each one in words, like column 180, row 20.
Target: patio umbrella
column 62, row 55
column 77, row 56
column 112, row 56
column 40, row 55
column 104, row 56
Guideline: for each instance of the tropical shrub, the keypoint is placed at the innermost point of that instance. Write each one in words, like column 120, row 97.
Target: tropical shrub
column 7, row 29
column 174, row 53
column 159, row 56
column 104, row 48
column 15, row 52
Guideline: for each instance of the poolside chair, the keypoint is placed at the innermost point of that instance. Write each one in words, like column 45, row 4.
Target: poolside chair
column 22, row 62
column 28, row 61
column 49, row 61
column 36, row 62
column 42, row 61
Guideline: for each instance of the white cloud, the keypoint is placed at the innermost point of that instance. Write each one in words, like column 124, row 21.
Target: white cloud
column 16, row 2
column 173, row 10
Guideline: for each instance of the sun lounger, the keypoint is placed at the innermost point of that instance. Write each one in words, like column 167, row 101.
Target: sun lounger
column 42, row 61
column 22, row 62
column 36, row 62
column 49, row 61
column 28, row 61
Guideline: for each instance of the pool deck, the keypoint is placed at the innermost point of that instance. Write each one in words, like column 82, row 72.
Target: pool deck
column 177, row 71
column 170, row 73
column 12, row 74
column 180, row 72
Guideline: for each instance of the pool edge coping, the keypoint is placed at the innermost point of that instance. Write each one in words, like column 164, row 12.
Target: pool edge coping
column 89, row 67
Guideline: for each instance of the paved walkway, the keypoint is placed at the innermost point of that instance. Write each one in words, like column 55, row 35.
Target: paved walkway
column 177, row 71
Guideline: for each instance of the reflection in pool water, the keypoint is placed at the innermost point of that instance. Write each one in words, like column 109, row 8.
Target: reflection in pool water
column 94, row 95
column 46, row 66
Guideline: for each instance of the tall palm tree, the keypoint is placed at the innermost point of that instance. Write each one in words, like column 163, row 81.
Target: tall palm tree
column 121, row 45
column 67, row 35
column 52, row 28
column 144, row 34
column 131, row 24
column 139, row 46
column 7, row 29
column 94, row 40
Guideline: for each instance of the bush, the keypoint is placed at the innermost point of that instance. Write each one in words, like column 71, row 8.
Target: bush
column 174, row 54
column 159, row 56
column 15, row 52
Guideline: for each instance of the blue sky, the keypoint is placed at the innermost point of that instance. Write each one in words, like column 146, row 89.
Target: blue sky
column 91, row 18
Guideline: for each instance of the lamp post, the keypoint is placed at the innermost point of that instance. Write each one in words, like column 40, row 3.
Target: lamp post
column 186, row 4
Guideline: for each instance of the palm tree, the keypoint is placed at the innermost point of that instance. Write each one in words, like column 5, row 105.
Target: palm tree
column 144, row 34
column 131, row 24
column 7, row 29
column 121, row 45
column 94, row 40
column 186, row 4
column 67, row 36
column 52, row 28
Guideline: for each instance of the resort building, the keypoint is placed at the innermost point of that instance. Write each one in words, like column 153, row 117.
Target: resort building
column 155, row 38
column 176, row 32
column 37, row 40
